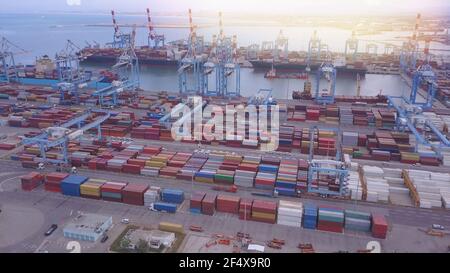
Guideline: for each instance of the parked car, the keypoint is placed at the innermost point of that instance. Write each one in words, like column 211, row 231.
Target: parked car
column 437, row 226
column 51, row 230
column 104, row 238
column 125, row 221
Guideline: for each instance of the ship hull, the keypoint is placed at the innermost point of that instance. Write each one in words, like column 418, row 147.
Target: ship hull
column 301, row 66
column 146, row 61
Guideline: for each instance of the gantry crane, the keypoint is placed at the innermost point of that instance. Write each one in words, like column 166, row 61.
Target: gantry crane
column 210, row 72
column 223, row 65
column 409, row 50
column 314, row 48
column 326, row 96
column 409, row 116
column 281, row 47
column 228, row 66
column 253, row 51
column 154, row 40
column 120, row 40
column 371, row 49
column 351, row 46
column 71, row 77
column 8, row 70
column 127, row 68
column 335, row 171
column 424, row 76
column 61, row 135
column 190, row 68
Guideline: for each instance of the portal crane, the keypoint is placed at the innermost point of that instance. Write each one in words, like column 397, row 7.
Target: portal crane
column 228, row 65
column 409, row 50
column 8, row 70
column 372, row 48
column 120, row 40
column 154, row 40
column 127, row 68
column 281, row 49
column 211, row 71
column 190, row 68
column 351, row 46
column 313, row 50
column 71, row 77
column 328, row 70
column 335, row 170
column 61, row 135
column 253, row 51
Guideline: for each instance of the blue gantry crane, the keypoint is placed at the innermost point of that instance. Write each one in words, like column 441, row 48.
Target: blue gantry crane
column 61, row 135
column 210, row 73
column 407, row 116
column 8, row 70
column 229, row 71
column 326, row 96
column 351, row 46
column 71, row 77
column 314, row 48
column 155, row 40
column 190, row 67
column 333, row 171
column 423, row 76
column 127, row 68
column 410, row 49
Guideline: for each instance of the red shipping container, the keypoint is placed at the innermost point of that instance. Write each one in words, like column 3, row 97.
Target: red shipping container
column 133, row 169
column 227, row 203
column 196, row 200
column 139, row 162
column 209, row 204
column 133, row 194
column 264, row 206
column 379, row 226
column 31, row 181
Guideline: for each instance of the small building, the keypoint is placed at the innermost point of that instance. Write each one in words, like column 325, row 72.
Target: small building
column 154, row 238
column 87, row 227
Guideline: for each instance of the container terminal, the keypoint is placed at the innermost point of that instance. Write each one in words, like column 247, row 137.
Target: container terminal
column 91, row 155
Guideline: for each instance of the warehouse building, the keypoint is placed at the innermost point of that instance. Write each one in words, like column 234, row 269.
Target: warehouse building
column 87, row 227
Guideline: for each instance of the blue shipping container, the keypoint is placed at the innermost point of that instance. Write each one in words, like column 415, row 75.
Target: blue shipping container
column 71, row 184
column 160, row 206
column 172, row 196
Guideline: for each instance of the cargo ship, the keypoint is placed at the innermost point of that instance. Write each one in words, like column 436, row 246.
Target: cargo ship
column 169, row 56
column 354, row 68
column 45, row 73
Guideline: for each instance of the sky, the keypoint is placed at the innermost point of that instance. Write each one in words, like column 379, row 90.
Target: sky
column 256, row 6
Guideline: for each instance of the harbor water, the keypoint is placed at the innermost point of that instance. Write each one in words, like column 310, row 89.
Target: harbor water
column 41, row 34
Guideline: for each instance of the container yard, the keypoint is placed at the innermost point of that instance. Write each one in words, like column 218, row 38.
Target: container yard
column 89, row 154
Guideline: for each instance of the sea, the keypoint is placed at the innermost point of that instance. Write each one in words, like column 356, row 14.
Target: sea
column 47, row 33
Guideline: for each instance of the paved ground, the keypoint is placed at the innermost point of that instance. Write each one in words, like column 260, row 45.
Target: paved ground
column 56, row 208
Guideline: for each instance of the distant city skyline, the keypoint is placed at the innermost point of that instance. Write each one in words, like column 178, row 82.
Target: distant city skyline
column 316, row 7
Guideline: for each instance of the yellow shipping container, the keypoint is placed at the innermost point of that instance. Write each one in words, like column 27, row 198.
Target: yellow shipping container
column 171, row 227
column 155, row 164
column 326, row 133
column 262, row 215
column 204, row 180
